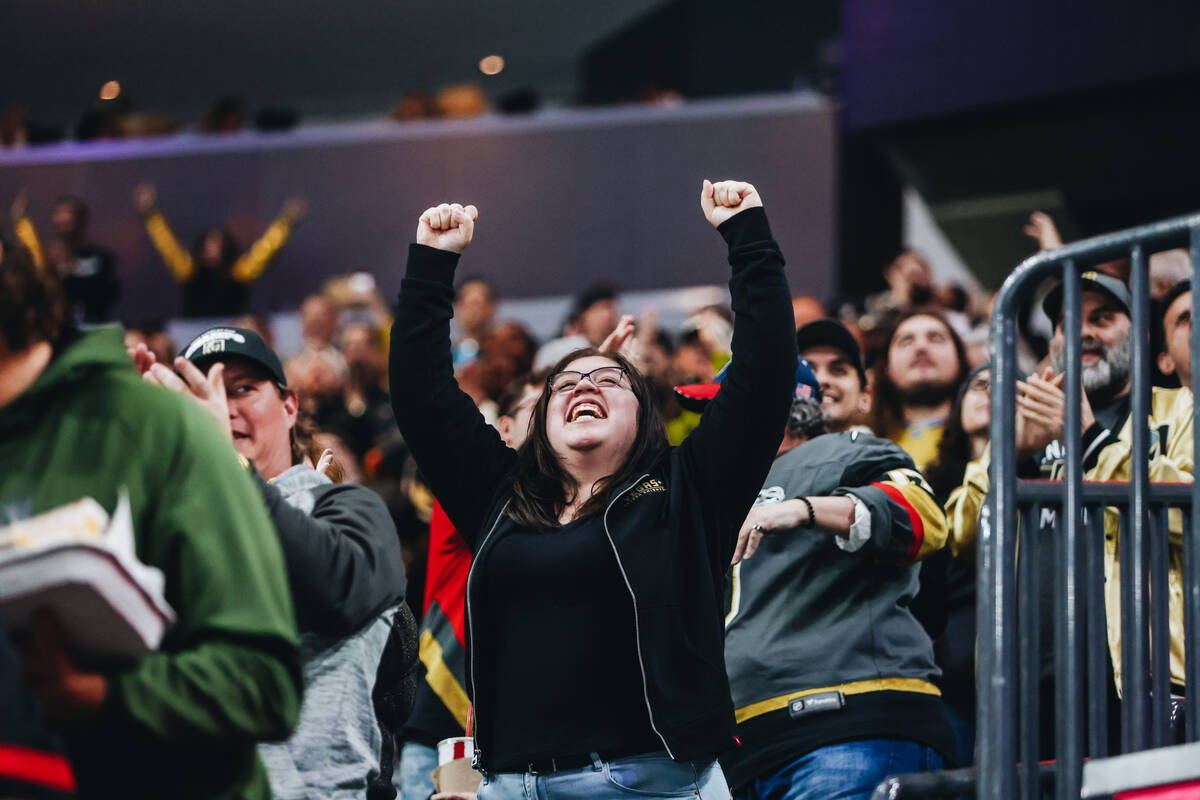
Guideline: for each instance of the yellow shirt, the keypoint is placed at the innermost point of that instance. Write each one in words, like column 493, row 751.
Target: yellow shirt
column 921, row 442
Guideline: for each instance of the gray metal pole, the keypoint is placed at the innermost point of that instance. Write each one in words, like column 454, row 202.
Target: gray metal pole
column 1191, row 533
column 1160, row 629
column 1028, row 651
column 997, row 697
column 1068, row 640
column 1135, row 600
column 1097, row 638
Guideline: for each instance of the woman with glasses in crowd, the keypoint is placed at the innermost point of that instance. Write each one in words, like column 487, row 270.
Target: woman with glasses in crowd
column 594, row 603
column 963, row 442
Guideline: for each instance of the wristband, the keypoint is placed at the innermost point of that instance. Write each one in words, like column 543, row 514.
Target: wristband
column 811, row 522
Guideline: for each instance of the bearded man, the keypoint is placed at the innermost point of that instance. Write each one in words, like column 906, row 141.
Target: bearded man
column 916, row 383
column 1106, row 445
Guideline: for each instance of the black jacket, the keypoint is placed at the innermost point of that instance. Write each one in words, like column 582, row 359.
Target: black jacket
column 344, row 561
column 672, row 530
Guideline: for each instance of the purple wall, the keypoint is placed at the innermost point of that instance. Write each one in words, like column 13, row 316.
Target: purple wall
column 920, row 58
column 565, row 198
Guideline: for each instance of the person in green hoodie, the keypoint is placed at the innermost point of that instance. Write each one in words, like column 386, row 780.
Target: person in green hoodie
column 77, row 421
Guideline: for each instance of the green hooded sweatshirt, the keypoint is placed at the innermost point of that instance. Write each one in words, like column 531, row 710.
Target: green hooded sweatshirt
column 184, row 721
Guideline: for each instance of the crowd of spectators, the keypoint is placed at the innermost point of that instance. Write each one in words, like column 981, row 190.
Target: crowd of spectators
column 909, row 364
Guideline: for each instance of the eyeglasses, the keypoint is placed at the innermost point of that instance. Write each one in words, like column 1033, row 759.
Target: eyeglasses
column 601, row 378
column 980, row 385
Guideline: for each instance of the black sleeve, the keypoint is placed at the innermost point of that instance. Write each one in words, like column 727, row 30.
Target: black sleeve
column 343, row 559
column 731, row 450
column 462, row 458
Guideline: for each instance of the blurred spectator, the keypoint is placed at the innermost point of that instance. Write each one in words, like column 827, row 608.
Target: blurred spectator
column 1175, row 352
column 258, row 324
column 416, row 104
column 522, row 100
column 227, row 115
column 316, row 380
column 88, row 271
column 318, row 324
column 508, row 351
column 153, row 335
column 1167, row 270
column 346, row 458
column 916, row 382
column 104, row 121
column 833, row 353
column 442, row 706
column 362, row 415
column 910, row 284
column 214, row 278
column 318, row 330
column 76, row 421
column 593, row 317
column 1041, row 229
column 596, row 313
column 806, row 308
column 460, row 100
column 14, row 128
column 474, row 315
column 965, row 440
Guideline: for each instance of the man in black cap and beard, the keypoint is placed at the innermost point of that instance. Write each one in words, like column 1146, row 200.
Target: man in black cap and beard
column 1106, row 444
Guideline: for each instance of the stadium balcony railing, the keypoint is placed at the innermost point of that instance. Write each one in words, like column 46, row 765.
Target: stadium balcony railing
column 1008, row 658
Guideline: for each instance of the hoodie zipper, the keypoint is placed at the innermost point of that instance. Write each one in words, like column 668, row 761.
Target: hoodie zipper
column 471, row 622
column 637, row 630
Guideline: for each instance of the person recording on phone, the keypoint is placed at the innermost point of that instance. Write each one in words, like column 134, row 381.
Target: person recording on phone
column 594, row 600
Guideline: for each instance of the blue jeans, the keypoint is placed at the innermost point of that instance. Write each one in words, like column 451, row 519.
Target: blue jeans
column 414, row 780
column 648, row 776
column 847, row 771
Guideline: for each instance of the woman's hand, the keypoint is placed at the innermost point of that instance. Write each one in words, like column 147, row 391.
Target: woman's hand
column 207, row 390
column 765, row 519
column 143, row 359
column 449, row 227
column 723, row 199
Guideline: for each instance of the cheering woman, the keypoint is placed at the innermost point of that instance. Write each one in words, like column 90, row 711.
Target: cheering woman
column 594, row 601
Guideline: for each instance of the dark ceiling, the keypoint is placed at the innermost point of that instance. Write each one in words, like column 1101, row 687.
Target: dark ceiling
column 321, row 58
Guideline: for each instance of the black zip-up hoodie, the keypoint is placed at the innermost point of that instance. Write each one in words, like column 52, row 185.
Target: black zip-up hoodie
column 672, row 530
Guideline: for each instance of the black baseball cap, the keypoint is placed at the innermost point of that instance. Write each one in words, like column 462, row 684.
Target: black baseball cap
column 1094, row 281
column 218, row 344
column 830, row 332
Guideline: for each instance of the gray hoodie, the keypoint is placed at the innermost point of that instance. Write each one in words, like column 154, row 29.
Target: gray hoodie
column 335, row 750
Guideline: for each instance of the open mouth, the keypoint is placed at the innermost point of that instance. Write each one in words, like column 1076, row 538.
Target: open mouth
column 240, row 436
column 585, row 410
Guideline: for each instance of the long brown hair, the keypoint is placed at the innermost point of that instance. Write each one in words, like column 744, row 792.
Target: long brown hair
column 542, row 487
column 303, row 442
column 886, row 417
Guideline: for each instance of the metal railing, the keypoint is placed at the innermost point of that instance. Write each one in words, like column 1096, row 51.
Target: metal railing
column 1010, row 665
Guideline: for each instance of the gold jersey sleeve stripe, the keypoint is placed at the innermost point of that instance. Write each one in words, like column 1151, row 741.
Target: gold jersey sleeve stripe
column 856, row 687
column 441, row 679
